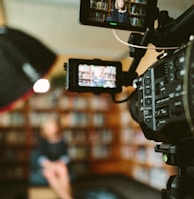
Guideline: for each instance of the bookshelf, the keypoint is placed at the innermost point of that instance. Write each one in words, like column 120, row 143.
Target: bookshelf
column 137, row 12
column 14, row 150
column 99, row 10
column 86, row 122
column 102, row 137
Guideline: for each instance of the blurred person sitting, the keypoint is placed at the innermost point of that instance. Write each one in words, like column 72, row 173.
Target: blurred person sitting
column 52, row 159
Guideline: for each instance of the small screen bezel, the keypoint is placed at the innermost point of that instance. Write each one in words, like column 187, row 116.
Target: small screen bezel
column 73, row 71
column 149, row 18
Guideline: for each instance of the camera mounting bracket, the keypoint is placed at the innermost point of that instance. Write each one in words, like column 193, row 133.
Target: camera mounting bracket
column 179, row 186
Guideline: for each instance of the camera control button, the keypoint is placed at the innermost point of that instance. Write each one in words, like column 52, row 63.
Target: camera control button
column 147, row 91
column 148, row 120
column 148, row 101
column 147, row 81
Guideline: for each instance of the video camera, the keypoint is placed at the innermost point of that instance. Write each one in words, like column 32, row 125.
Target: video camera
column 163, row 100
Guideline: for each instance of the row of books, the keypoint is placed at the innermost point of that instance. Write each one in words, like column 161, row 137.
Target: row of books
column 101, row 103
column 82, row 119
column 135, row 136
column 44, row 101
column 100, row 151
column 69, row 102
column 79, row 136
column 13, row 173
column 142, row 155
column 36, row 119
column 13, row 137
column 9, row 155
column 99, row 4
column 137, row 21
column 98, row 16
column 15, row 118
column 73, row 118
column 103, row 136
column 155, row 177
column 78, row 152
column 137, row 9
column 97, row 151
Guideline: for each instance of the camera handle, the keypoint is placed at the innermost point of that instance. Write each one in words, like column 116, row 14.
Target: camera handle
column 137, row 54
column 179, row 186
column 129, row 76
column 169, row 33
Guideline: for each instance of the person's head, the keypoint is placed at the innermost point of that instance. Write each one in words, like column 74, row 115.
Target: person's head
column 120, row 4
column 50, row 129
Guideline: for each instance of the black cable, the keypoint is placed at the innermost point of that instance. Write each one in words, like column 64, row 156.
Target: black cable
column 120, row 101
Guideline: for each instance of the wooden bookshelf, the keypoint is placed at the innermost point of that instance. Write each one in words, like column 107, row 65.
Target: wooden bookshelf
column 14, row 149
column 102, row 137
column 89, row 124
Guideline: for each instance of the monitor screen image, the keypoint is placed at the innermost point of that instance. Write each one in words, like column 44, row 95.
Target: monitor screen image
column 97, row 76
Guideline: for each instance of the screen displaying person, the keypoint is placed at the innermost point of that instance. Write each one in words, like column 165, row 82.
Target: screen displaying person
column 120, row 14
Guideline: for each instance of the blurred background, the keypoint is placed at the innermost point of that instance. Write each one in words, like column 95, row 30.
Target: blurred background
column 106, row 146
column 56, row 23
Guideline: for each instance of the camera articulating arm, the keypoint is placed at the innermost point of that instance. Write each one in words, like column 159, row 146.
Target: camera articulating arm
column 170, row 32
column 137, row 54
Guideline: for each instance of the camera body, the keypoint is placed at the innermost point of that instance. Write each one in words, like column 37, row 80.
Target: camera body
column 96, row 76
column 164, row 97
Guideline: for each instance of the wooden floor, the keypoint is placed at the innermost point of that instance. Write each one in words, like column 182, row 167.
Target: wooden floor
column 41, row 193
column 125, row 187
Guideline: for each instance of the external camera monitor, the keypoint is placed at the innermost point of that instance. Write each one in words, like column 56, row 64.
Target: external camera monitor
column 134, row 15
column 95, row 76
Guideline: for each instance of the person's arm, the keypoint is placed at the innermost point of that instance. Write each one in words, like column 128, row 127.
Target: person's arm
column 43, row 161
column 65, row 159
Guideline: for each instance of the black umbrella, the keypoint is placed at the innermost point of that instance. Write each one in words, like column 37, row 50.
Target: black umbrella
column 23, row 60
